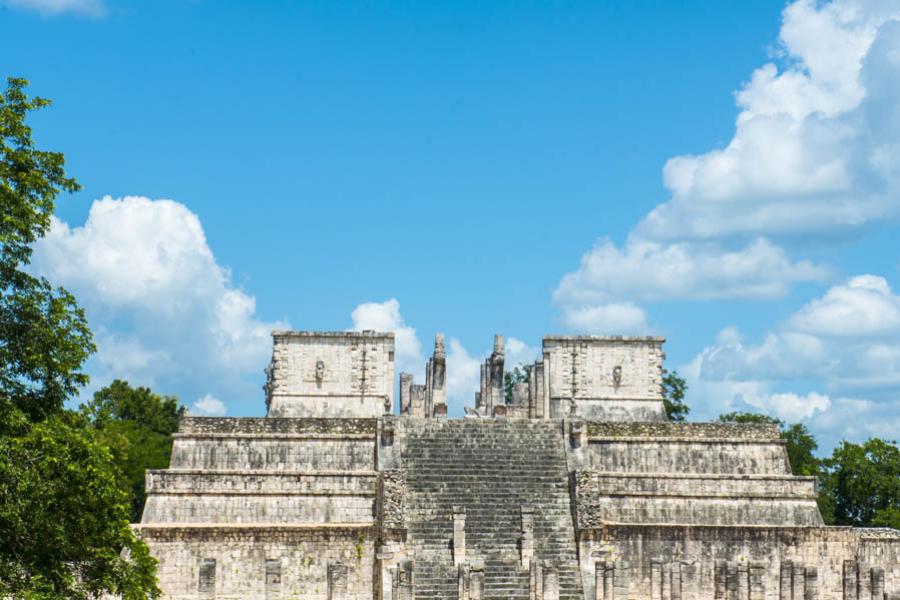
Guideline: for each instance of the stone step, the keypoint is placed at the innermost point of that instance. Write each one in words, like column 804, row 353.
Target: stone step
column 490, row 469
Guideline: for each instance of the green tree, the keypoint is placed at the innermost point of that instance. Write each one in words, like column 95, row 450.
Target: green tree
column 801, row 447
column 674, row 389
column 862, row 483
column 63, row 520
column 137, row 425
column 44, row 338
column 800, row 444
column 519, row 374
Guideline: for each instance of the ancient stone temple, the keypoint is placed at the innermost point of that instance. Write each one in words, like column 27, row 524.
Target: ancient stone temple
column 576, row 487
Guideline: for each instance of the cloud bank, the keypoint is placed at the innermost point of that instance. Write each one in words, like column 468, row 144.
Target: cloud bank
column 163, row 310
column 53, row 8
column 842, row 349
column 815, row 155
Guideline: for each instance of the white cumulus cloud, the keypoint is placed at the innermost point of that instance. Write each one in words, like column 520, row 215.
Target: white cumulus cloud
column 606, row 319
column 863, row 306
column 841, row 351
column 209, row 406
column 463, row 377
column 52, row 8
column 652, row 271
column 814, row 149
column 385, row 317
column 815, row 153
column 162, row 308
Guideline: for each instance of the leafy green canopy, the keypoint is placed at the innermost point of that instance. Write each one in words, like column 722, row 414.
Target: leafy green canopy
column 674, row 389
column 862, row 484
column 63, row 520
column 137, row 425
column 44, row 338
column 519, row 374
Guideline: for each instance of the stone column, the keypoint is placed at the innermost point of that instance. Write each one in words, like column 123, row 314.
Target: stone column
column 337, row 581
column 459, row 535
column 476, row 584
column 743, row 580
column 851, row 579
column 799, row 581
column 273, row 579
column 656, row 566
column 877, row 582
column 811, row 584
column 676, row 581
column 605, row 572
column 482, row 397
column 666, row 581
column 720, row 575
column 732, row 585
column 439, row 372
column 757, row 581
column 417, row 401
column 496, row 372
column 785, row 588
column 462, row 582
column 550, row 587
column 406, row 381
column 526, row 549
column 206, row 581
column 535, row 578
column 403, row 585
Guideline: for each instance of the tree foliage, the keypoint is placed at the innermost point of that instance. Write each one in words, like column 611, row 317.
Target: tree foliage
column 63, row 520
column 862, row 483
column 137, row 425
column 674, row 389
column 44, row 338
column 519, row 374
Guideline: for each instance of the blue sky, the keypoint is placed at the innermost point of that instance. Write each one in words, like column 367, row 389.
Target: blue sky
column 723, row 174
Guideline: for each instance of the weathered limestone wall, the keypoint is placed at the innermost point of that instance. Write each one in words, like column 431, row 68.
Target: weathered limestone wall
column 321, row 483
column 686, row 473
column 740, row 563
column 683, row 448
column 231, row 508
column 263, row 562
column 266, row 508
column 339, row 374
column 269, row 443
column 294, row 452
column 610, row 378
column 693, row 511
column 717, row 500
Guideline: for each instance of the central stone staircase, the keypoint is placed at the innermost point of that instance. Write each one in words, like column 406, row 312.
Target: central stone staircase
column 490, row 469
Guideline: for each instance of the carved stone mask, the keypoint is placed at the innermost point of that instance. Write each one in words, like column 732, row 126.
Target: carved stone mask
column 617, row 376
column 320, row 370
